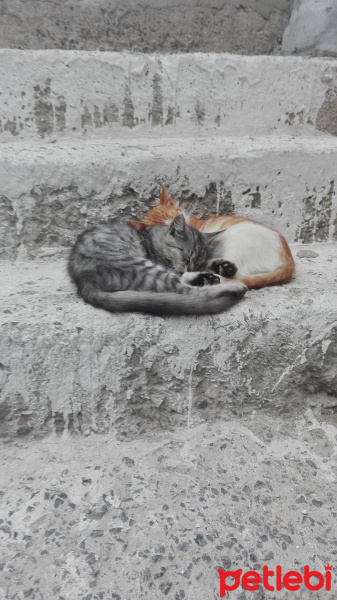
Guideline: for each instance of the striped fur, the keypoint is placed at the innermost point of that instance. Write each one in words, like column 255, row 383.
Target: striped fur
column 116, row 268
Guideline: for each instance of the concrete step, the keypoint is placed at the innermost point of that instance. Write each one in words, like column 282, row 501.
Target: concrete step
column 68, row 367
column 239, row 26
column 228, row 422
column 51, row 191
column 52, row 94
column 156, row 517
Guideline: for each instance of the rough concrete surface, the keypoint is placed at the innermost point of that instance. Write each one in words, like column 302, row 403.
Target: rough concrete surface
column 243, row 27
column 98, row 518
column 140, row 454
column 50, row 192
column 312, row 29
column 68, row 367
column 57, row 94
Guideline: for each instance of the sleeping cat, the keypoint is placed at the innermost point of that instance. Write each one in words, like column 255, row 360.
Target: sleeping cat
column 118, row 269
column 261, row 254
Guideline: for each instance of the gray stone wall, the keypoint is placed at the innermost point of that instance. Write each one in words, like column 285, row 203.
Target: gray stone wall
column 312, row 30
column 247, row 27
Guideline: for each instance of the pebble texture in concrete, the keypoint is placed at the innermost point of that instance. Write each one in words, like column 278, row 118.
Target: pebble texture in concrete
column 156, row 517
column 107, row 95
column 240, row 27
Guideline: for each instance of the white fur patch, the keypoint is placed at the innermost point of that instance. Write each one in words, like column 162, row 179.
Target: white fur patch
column 252, row 247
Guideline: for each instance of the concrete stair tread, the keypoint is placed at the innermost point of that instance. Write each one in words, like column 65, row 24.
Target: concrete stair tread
column 266, row 346
column 46, row 278
column 307, row 140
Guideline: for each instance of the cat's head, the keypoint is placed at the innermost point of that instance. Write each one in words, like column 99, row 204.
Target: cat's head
column 185, row 246
column 162, row 214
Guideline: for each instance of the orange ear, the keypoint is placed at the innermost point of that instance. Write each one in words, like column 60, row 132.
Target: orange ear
column 138, row 225
column 165, row 199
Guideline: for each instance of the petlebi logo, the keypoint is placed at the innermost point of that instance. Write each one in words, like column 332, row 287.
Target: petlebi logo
column 275, row 580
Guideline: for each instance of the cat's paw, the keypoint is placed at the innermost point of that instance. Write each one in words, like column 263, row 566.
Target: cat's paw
column 203, row 279
column 224, row 268
column 235, row 288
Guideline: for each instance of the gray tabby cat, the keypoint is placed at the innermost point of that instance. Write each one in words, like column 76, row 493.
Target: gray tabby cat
column 118, row 269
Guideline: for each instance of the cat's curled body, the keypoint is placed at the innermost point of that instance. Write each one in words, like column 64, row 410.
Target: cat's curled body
column 116, row 268
column 260, row 254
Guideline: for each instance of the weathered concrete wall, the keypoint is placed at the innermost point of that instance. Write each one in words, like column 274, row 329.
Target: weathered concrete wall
column 50, row 192
column 60, row 94
column 312, row 29
column 246, row 27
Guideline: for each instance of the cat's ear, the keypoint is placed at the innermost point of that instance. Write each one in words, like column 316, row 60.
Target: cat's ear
column 165, row 199
column 178, row 226
column 138, row 225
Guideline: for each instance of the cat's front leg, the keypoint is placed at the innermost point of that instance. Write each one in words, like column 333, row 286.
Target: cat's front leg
column 224, row 268
column 200, row 279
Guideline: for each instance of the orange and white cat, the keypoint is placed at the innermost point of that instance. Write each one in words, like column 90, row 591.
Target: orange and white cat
column 260, row 253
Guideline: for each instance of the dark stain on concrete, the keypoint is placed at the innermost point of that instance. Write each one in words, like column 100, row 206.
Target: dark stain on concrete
column 103, row 407
column 334, row 234
column 256, row 198
column 326, row 119
column 170, row 116
column 294, row 118
column 128, row 115
column 290, row 120
column 56, row 216
column 157, row 111
column 43, row 109
column 60, row 113
column 226, row 206
column 306, row 229
column 86, row 118
column 200, row 112
column 59, row 423
column 324, row 214
column 9, row 239
column 316, row 217
column 11, row 127
column 97, row 117
column 216, row 198
column 110, row 113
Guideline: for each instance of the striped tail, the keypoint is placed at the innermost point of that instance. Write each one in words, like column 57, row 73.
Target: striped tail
column 200, row 301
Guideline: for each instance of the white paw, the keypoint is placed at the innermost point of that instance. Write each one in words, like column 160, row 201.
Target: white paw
column 188, row 276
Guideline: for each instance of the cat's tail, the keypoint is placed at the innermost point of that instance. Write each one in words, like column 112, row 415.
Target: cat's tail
column 199, row 301
column 277, row 277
